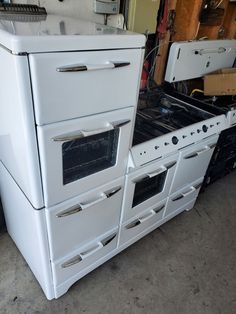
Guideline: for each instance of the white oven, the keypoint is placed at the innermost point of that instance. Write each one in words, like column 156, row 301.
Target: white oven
column 81, row 154
column 82, row 83
column 148, row 185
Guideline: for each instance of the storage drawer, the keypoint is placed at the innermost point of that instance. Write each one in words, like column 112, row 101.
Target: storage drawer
column 131, row 230
column 182, row 197
column 73, row 264
column 76, row 222
column 75, row 84
column 147, row 186
column 193, row 163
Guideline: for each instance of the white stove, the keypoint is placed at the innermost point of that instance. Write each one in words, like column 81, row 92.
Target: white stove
column 68, row 103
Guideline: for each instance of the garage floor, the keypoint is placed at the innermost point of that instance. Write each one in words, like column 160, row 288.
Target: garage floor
column 186, row 266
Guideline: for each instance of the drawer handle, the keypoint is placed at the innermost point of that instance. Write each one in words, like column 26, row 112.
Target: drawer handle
column 78, row 258
column 144, row 218
column 70, row 211
column 71, row 262
column 76, row 209
column 179, row 197
column 92, row 67
column 91, row 251
column 159, row 209
column 85, row 133
column 198, row 153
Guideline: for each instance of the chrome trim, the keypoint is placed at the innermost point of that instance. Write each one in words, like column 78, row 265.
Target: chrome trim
column 71, row 211
column 71, row 262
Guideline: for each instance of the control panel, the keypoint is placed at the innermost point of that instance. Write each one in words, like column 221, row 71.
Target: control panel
column 169, row 143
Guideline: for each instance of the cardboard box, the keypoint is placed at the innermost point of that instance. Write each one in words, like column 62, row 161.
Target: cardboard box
column 221, row 82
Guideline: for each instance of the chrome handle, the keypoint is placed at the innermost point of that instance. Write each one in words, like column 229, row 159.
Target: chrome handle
column 71, row 211
column 199, row 152
column 92, row 67
column 149, row 175
column 157, row 172
column 182, row 195
column 112, row 192
column 192, row 189
column 171, row 165
column 104, row 195
column 147, row 216
column 159, row 209
column 76, row 209
column 142, row 219
column 84, row 133
column 78, row 258
column 71, row 262
column 109, row 239
column 91, row 251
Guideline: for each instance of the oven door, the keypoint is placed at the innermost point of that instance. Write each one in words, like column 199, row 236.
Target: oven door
column 148, row 186
column 193, row 163
column 81, row 154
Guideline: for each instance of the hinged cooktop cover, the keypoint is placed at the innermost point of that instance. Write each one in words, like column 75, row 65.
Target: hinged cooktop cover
column 57, row 33
column 188, row 60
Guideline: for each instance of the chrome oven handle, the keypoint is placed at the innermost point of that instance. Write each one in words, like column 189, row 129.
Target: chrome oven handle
column 78, row 208
column 84, row 133
column 92, row 67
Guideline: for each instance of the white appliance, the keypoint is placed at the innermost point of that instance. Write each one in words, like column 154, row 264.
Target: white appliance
column 189, row 60
column 172, row 147
column 68, row 103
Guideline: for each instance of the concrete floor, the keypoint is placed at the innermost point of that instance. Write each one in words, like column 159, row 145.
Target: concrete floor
column 186, row 266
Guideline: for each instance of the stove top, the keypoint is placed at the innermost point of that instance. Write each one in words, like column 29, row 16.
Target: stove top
column 164, row 124
column 162, row 114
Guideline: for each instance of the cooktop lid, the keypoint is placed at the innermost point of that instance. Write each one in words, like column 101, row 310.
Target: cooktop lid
column 193, row 59
column 56, row 33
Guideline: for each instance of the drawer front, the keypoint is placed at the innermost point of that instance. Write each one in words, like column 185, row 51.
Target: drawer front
column 193, row 163
column 131, row 230
column 80, row 154
column 148, row 186
column 75, row 84
column 79, row 260
column 77, row 222
column 182, row 197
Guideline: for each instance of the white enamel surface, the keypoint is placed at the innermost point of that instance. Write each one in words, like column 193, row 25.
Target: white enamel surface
column 188, row 60
column 58, row 33
column 191, row 169
column 70, row 232
column 128, row 211
column 62, row 274
column 63, row 96
column 189, row 193
column 231, row 118
column 27, row 227
column 18, row 143
column 51, row 155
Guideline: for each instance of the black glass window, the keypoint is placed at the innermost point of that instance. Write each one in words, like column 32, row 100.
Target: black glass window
column 148, row 187
column 89, row 155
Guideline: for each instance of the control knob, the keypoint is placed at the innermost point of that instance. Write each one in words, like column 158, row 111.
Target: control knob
column 175, row 140
column 204, row 128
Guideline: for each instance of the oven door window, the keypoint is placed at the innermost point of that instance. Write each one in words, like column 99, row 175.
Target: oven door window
column 88, row 155
column 148, row 187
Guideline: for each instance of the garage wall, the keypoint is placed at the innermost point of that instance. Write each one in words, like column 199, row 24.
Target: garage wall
column 74, row 8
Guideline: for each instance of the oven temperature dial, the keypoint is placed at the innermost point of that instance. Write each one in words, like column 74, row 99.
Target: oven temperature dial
column 175, row 140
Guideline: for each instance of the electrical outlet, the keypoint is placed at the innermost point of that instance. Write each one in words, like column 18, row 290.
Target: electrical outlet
column 106, row 6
